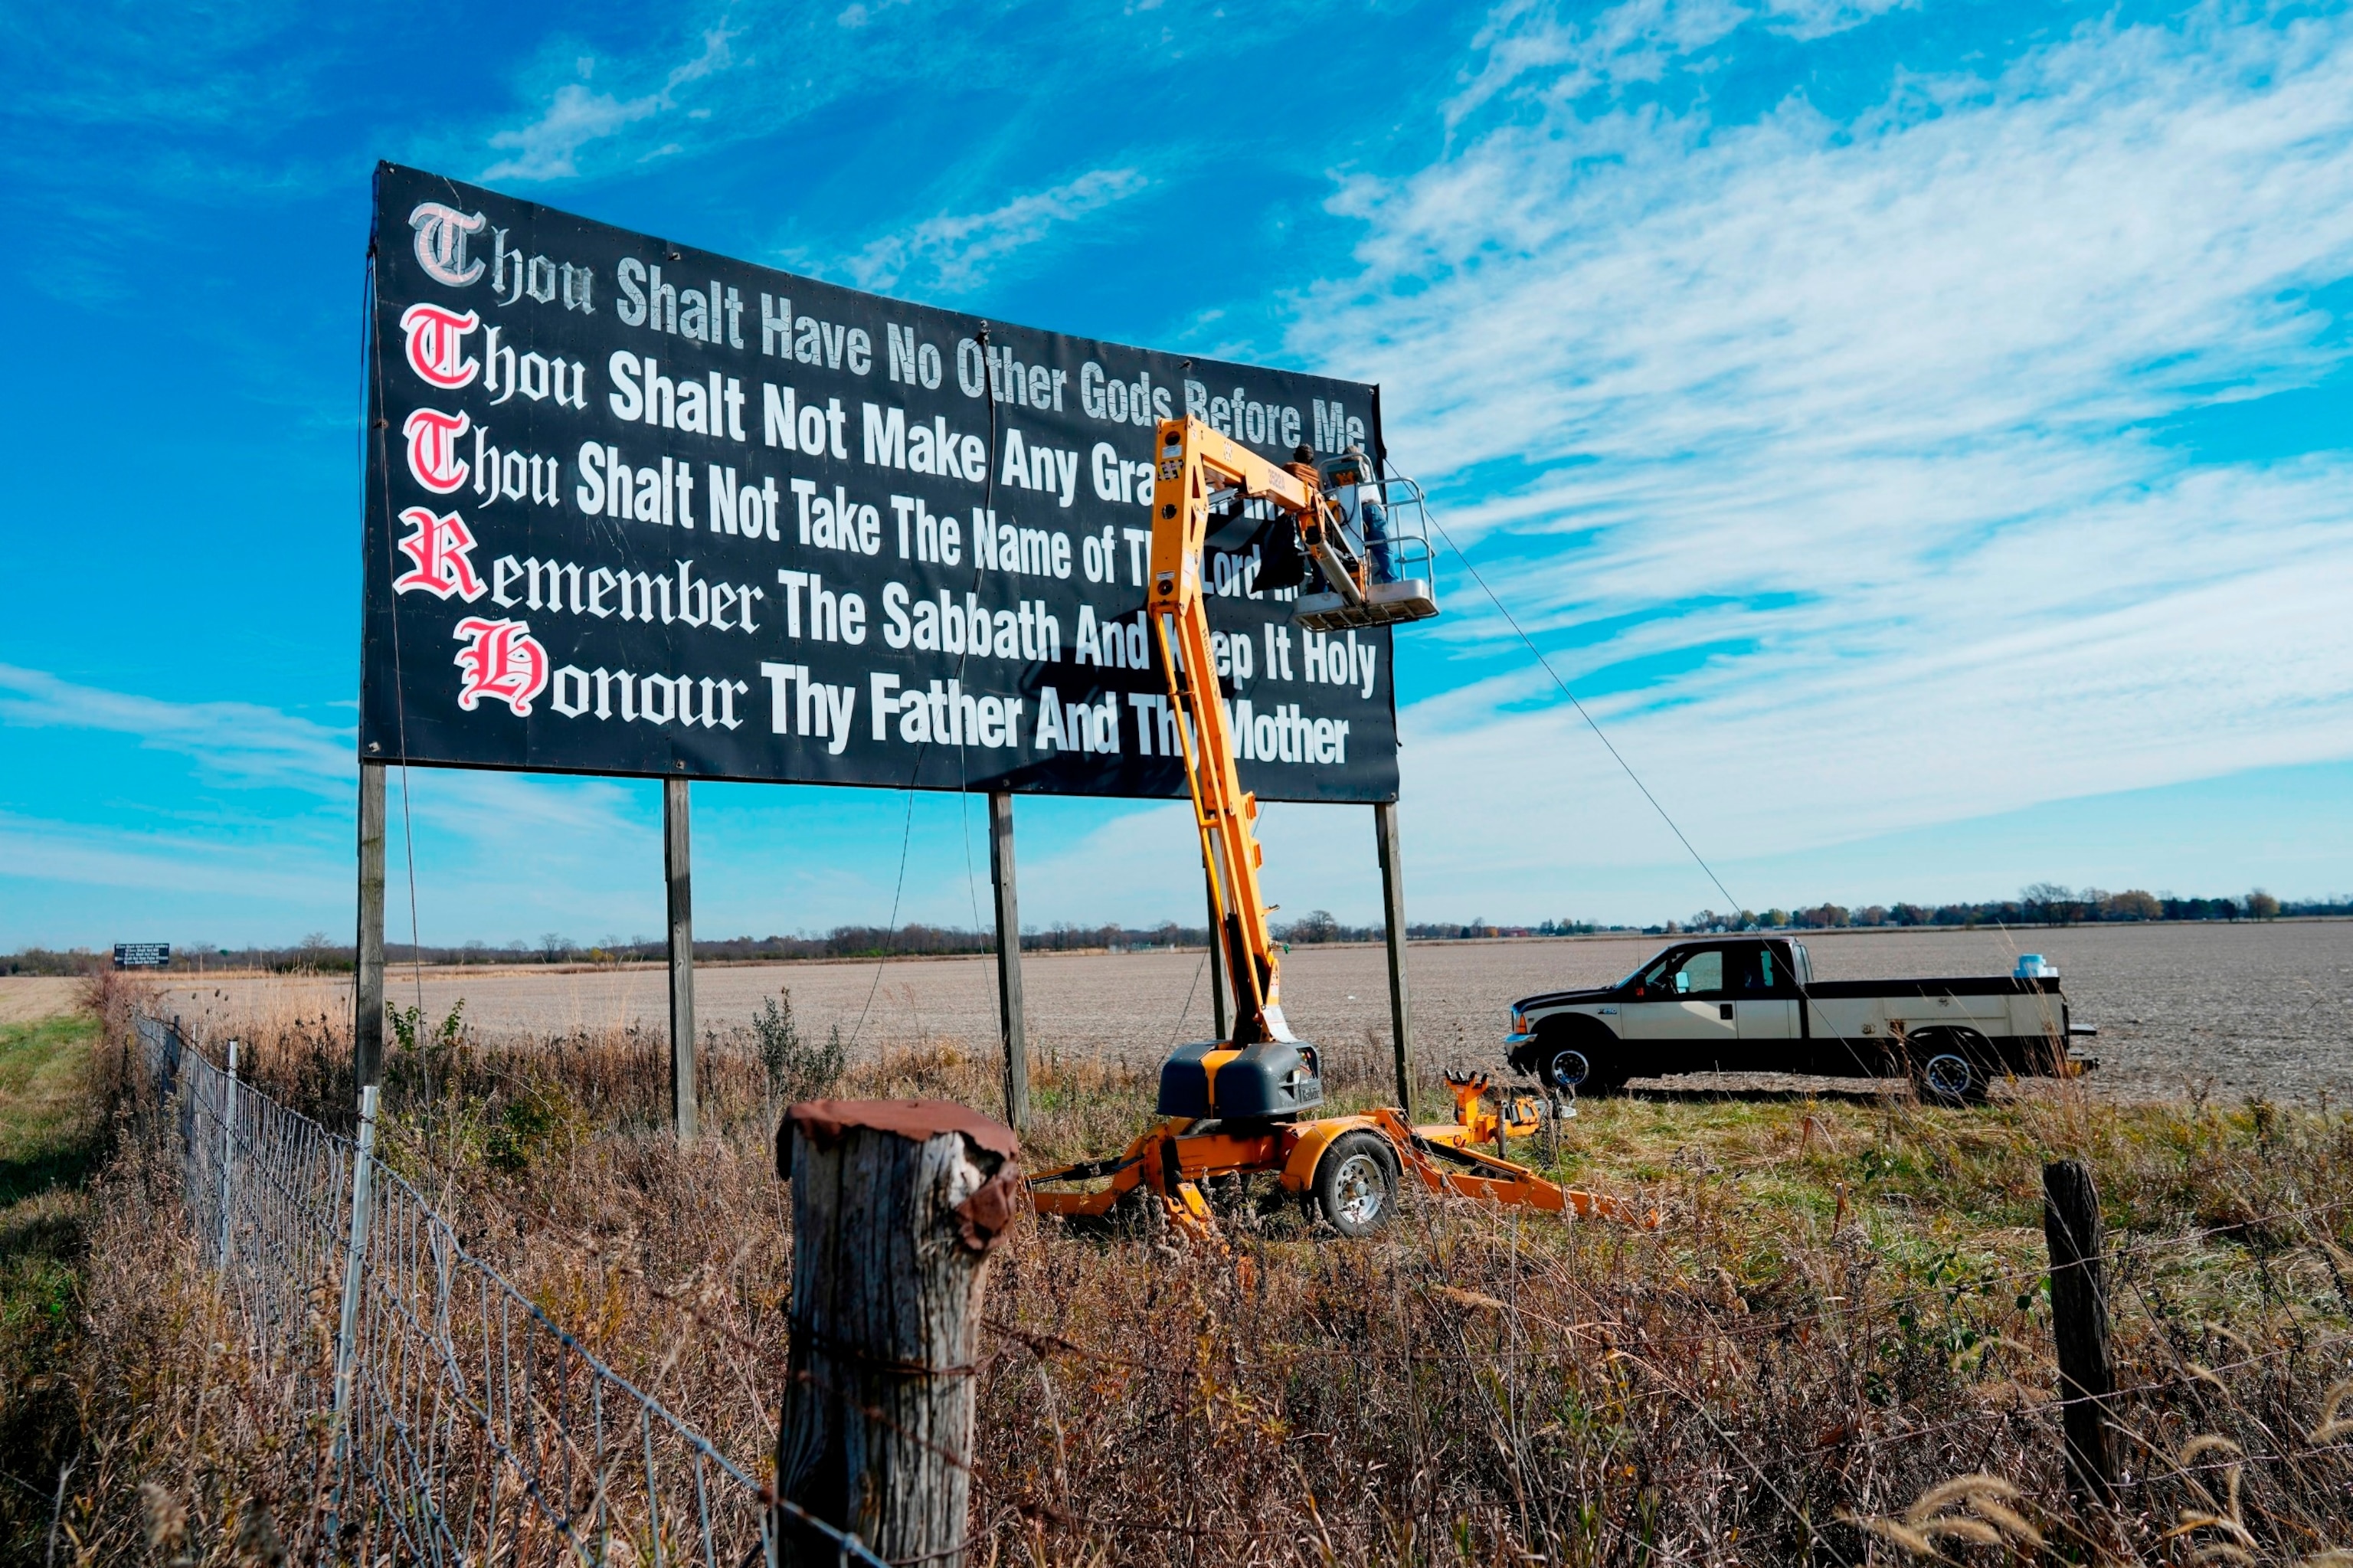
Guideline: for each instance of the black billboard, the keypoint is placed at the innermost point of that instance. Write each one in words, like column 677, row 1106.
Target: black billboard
column 633, row 508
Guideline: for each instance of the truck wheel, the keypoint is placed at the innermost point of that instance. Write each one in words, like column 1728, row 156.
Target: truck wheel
column 1567, row 1068
column 1356, row 1183
column 1945, row 1072
column 1575, row 1068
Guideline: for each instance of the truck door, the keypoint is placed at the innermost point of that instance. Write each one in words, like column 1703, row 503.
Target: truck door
column 1683, row 1006
column 1765, row 1005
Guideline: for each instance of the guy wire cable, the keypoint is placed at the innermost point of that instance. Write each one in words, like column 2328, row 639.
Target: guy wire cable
column 1501, row 609
column 1804, row 987
column 1187, row 1011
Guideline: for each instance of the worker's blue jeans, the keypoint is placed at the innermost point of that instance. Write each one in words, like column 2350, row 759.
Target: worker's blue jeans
column 1377, row 541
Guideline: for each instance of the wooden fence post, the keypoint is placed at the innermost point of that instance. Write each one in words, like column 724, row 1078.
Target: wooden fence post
column 2079, row 1315
column 895, row 1206
column 1011, row 1026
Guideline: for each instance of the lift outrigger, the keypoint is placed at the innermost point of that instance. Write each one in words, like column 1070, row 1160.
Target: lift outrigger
column 1247, row 1106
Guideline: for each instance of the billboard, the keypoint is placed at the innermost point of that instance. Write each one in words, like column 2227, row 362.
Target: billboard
column 633, row 508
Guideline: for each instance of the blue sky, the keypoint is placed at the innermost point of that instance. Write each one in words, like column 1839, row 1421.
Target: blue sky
column 1920, row 433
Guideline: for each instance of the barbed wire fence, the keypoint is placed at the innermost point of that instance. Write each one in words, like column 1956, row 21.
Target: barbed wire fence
column 453, row 1421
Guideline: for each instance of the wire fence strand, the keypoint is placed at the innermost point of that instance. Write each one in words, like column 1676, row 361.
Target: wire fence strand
column 475, row 1428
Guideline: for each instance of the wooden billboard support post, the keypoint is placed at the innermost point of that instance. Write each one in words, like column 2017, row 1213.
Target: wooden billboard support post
column 367, row 990
column 678, row 872
column 1010, row 1024
column 1385, row 837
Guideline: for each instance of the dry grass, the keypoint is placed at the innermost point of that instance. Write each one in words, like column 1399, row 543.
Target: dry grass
column 1837, row 1349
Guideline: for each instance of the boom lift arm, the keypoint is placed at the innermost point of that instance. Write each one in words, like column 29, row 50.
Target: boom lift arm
column 1193, row 463
column 1248, row 1106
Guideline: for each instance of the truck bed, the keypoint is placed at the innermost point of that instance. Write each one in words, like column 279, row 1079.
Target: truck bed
column 1947, row 985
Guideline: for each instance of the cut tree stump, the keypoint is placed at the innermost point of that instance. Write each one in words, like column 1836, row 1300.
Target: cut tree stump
column 896, row 1204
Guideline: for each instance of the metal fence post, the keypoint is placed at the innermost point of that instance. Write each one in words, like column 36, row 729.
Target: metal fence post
column 347, row 1326
column 228, row 1154
column 349, row 1321
column 462, row 1359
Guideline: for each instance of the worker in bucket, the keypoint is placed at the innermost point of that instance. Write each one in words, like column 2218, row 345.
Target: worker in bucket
column 1371, row 518
column 1346, row 478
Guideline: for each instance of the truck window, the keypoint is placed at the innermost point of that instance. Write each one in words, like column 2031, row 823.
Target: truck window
column 1748, row 969
column 1701, row 974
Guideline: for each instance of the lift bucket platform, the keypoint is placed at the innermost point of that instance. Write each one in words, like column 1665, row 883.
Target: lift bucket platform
column 1386, row 605
column 1376, row 566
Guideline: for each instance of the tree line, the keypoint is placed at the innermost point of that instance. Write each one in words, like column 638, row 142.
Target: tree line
column 316, row 954
column 2044, row 904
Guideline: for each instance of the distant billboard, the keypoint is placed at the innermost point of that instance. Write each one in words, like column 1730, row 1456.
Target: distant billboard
column 634, row 508
column 142, row 954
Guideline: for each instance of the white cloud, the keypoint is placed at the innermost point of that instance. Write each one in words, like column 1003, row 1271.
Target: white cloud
column 247, row 745
column 39, row 850
column 494, row 852
column 529, row 814
column 549, row 147
column 1531, row 49
column 953, row 251
column 1846, row 420
column 243, row 742
column 1821, row 19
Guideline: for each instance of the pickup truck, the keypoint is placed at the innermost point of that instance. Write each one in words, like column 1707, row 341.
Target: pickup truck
column 1751, row 1004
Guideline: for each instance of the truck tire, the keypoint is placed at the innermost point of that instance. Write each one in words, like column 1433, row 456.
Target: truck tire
column 1356, row 1183
column 1585, row 1062
column 1950, row 1068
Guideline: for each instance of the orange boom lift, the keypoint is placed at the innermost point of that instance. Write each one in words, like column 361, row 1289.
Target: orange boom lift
column 1247, row 1106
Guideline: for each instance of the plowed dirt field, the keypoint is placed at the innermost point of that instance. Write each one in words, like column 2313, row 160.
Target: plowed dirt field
column 2243, row 1008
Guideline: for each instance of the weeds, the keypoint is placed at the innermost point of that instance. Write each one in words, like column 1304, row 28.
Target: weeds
column 797, row 1069
column 1837, row 1346
column 57, row 1087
